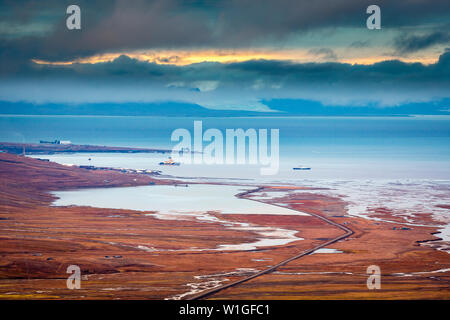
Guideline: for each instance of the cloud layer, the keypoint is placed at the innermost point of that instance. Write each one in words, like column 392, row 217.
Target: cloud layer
column 235, row 85
column 130, row 25
column 323, row 29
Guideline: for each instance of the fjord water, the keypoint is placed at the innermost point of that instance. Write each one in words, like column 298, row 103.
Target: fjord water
column 171, row 200
column 335, row 147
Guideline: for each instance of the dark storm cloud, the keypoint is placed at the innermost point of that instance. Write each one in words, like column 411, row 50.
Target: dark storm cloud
column 106, row 26
column 412, row 43
column 248, row 20
column 236, row 85
column 245, row 73
column 127, row 25
column 136, row 25
column 394, row 71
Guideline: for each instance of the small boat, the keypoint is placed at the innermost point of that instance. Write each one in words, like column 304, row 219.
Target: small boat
column 169, row 162
column 301, row 168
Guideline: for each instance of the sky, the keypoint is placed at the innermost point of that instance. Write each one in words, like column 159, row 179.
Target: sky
column 225, row 54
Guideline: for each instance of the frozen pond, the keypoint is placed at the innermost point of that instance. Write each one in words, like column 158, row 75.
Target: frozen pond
column 194, row 202
column 170, row 200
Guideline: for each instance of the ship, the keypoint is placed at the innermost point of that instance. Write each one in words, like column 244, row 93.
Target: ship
column 169, row 162
column 301, row 168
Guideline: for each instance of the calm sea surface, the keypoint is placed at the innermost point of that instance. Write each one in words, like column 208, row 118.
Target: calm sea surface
column 335, row 148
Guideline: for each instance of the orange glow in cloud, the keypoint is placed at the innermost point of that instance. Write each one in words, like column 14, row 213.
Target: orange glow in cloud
column 375, row 59
column 187, row 57
column 182, row 58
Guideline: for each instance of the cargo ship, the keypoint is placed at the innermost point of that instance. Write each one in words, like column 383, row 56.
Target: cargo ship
column 169, row 162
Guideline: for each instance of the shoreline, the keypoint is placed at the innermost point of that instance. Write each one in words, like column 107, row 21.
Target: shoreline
column 51, row 148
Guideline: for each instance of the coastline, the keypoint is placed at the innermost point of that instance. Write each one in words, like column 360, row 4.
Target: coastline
column 53, row 148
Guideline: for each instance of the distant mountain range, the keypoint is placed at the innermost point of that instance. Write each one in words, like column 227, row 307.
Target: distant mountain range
column 280, row 107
